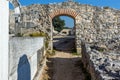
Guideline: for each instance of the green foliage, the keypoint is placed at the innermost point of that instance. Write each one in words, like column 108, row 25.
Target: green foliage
column 38, row 34
column 49, row 53
column 53, row 52
column 101, row 49
column 19, row 35
column 106, row 7
column 67, row 28
column 58, row 24
column 74, row 52
column 46, row 43
column 41, row 34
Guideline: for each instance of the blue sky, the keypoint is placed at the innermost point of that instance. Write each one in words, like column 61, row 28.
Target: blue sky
column 70, row 21
column 111, row 3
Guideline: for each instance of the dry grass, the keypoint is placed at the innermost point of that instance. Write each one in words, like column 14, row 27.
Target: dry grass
column 44, row 74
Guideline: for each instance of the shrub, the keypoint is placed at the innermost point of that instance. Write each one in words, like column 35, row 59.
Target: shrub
column 19, row 35
column 46, row 44
column 106, row 7
column 37, row 34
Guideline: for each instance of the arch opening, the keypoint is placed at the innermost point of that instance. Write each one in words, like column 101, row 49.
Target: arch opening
column 63, row 33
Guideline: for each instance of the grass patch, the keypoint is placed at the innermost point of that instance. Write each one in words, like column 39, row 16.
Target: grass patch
column 46, row 44
column 38, row 34
column 74, row 52
column 19, row 35
column 41, row 34
column 49, row 53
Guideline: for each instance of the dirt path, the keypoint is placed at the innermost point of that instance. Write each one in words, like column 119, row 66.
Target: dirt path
column 64, row 44
column 64, row 66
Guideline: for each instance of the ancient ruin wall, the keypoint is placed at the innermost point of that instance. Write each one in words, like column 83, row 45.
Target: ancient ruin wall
column 92, row 24
column 102, row 65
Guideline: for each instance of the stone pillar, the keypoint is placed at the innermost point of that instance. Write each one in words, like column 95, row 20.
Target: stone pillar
column 17, row 20
column 78, row 32
column 51, row 39
column 4, row 26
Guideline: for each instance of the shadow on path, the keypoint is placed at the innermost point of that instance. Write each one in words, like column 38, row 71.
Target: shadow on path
column 64, row 44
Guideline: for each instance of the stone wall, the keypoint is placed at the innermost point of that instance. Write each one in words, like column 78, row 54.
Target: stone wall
column 93, row 24
column 25, row 56
column 37, row 16
column 11, row 22
column 100, row 63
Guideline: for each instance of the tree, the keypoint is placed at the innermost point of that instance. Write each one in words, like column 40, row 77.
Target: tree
column 58, row 24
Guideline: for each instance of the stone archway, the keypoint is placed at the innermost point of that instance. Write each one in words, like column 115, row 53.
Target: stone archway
column 68, row 12
column 63, row 12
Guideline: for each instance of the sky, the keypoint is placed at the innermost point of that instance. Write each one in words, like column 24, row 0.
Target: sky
column 69, row 21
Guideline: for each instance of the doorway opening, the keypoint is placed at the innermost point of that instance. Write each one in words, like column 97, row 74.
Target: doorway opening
column 64, row 33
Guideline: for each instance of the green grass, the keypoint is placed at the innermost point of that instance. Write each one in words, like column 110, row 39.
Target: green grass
column 38, row 34
column 49, row 53
column 19, row 35
column 74, row 52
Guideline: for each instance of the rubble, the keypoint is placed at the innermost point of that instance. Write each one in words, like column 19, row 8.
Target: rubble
column 102, row 65
column 98, row 27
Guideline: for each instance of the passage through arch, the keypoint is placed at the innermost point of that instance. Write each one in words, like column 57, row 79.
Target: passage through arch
column 64, row 12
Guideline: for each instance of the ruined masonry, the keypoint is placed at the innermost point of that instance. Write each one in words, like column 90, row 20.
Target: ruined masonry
column 97, row 33
column 92, row 24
